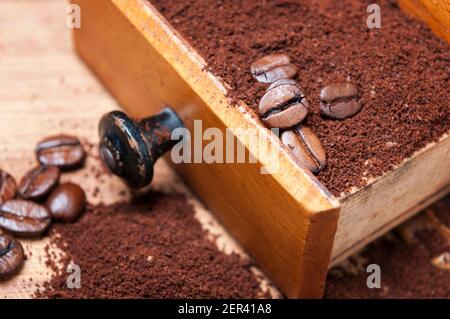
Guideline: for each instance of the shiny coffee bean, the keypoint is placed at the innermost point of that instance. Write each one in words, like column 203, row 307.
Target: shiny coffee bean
column 8, row 187
column 340, row 100
column 11, row 256
column 39, row 182
column 306, row 147
column 63, row 151
column 66, row 202
column 282, row 82
column 272, row 68
column 24, row 218
column 283, row 105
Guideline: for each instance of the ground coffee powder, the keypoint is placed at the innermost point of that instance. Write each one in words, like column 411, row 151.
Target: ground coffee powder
column 402, row 71
column 152, row 247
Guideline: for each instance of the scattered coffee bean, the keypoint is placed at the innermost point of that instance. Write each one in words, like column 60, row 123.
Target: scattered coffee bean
column 272, row 68
column 66, row 202
column 8, row 187
column 283, row 105
column 63, row 151
column 340, row 100
column 11, row 256
column 24, row 218
column 39, row 182
column 306, row 147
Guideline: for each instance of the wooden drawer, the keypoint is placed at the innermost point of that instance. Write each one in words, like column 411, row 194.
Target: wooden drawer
column 293, row 227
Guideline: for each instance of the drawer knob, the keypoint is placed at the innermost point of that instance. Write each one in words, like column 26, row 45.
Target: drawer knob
column 130, row 148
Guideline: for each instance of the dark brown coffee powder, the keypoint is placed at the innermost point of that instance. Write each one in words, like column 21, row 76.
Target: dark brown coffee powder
column 152, row 247
column 402, row 71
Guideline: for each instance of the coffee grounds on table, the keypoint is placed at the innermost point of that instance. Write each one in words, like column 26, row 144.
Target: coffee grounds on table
column 406, row 267
column 152, row 247
column 402, row 70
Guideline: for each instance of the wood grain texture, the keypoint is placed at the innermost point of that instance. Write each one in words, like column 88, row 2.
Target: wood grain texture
column 436, row 13
column 392, row 198
column 278, row 218
column 45, row 89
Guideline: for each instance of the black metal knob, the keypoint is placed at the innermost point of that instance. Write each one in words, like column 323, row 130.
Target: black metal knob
column 130, row 148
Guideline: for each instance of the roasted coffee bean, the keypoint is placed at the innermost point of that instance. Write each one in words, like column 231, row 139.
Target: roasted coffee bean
column 282, row 82
column 11, row 256
column 39, row 182
column 272, row 68
column 7, row 187
column 66, row 202
column 24, row 218
column 306, row 147
column 63, row 151
column 340, row 100
column 283, row 105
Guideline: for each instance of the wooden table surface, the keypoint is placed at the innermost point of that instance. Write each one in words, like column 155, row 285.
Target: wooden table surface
column 45, row 89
